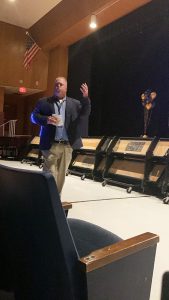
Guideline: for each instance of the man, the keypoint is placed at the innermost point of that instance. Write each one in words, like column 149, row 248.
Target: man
column 60, row 117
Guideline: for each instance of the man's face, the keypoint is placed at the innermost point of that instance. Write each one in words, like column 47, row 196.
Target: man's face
column 60, row 87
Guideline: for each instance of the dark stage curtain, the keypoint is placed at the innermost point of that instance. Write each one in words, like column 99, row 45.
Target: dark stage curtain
column 120, row 62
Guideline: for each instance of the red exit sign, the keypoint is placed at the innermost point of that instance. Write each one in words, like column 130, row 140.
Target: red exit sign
column 22, row 89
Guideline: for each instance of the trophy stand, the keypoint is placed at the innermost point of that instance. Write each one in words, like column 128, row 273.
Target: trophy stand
column 148, row 102
column 147, row 117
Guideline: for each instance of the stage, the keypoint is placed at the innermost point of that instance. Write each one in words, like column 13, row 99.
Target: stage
column 124, row 214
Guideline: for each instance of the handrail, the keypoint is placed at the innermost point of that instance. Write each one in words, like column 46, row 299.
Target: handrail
column 6, row 123
column 11, row 128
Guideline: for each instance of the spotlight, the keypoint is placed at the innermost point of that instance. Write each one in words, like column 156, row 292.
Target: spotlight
column 93, row 22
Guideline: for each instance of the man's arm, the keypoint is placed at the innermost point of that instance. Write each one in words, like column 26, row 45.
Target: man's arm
column 37, row 117
column 84, row 89
column 85, row 101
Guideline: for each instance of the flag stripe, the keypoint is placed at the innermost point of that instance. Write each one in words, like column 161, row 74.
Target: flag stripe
column 30, row 55
column 31, row 50
column 28, row 52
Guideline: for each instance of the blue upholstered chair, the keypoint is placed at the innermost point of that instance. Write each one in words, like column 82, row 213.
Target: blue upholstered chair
column 46, row 256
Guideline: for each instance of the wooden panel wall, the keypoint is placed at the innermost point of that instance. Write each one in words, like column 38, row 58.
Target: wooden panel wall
column 29, row 104
column 13, row 41
column 19, row 107
column 58, row 65
column 1, row 99
column 1, row 109
column 13, row 110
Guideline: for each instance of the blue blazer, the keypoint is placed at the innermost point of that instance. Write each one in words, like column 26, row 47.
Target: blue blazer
column 76, row 112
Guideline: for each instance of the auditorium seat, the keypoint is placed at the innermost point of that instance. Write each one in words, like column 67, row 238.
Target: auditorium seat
column 46, row 256
column 165, row 286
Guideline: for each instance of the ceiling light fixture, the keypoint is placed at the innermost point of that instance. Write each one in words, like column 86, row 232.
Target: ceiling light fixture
column 93, row 22
column 93, row 19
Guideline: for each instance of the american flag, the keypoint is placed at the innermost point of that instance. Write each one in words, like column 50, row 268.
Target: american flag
column 31, row 50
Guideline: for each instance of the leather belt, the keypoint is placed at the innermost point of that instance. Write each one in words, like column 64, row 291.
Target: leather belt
column 61, row 142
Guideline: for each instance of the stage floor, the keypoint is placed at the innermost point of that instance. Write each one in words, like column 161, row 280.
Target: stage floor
column 124, row 214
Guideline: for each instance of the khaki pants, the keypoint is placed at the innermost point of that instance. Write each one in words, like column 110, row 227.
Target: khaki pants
column 57, row 160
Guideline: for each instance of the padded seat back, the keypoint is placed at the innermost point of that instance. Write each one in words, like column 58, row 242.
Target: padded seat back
column 37, row 252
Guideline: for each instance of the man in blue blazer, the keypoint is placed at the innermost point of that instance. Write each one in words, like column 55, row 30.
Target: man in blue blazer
column 60, row 118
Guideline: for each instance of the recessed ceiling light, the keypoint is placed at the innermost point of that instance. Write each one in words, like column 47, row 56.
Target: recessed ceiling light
column 11, row 0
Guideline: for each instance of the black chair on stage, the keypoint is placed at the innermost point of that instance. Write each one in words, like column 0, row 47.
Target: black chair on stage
column 46, row 256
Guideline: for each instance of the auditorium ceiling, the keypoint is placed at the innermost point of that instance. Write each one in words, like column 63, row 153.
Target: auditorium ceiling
column 25, row 13
column 63, row 22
